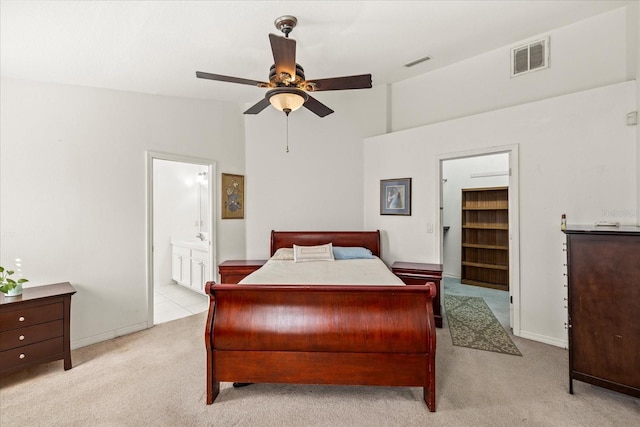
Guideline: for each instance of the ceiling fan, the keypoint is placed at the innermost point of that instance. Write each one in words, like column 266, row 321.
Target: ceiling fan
column 288, row 88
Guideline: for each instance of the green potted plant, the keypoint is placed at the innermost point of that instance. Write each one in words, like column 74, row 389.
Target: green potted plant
column 8, row 286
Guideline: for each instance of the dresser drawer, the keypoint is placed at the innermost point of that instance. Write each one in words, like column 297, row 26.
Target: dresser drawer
column 35, row 353
column 30, row 316
column 31, row 334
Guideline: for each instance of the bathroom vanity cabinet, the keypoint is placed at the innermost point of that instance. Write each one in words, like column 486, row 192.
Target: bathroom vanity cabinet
column 190, row 264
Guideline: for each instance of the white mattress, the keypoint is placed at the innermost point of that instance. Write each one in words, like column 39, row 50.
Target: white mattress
column 340, row 272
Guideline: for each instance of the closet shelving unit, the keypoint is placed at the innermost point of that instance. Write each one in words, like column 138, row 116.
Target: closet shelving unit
column 485, row 237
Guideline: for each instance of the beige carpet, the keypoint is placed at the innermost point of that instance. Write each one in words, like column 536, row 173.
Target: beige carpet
column 157, row 378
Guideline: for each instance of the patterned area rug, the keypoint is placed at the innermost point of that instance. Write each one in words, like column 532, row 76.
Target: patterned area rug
column 473, row 324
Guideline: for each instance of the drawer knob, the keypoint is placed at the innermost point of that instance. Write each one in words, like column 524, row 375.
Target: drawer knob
column 21, row 337
column 21, row 318
column 22, row 356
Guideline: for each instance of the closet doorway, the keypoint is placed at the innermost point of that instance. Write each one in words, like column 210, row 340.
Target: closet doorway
column 480, row 169
column 180, row 235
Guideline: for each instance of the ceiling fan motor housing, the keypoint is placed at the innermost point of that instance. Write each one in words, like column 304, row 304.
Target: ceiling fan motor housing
column 286, row 80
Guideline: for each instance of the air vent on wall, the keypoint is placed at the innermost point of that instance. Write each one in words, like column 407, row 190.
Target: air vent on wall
column 529, row 57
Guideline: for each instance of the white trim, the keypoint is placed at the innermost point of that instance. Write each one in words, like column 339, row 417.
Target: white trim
column 514, row 219
column 514, row 238
column 544, row 339
column 94, row 339
column 213, row 235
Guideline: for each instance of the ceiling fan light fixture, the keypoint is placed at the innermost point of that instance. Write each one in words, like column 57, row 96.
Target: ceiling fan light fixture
column 287, row 99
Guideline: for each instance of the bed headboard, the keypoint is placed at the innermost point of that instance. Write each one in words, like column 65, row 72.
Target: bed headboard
column 365, row 239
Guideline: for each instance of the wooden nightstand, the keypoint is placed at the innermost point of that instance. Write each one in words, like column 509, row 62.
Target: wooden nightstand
column 34, row 327
column 417, row 273
column 233, row 271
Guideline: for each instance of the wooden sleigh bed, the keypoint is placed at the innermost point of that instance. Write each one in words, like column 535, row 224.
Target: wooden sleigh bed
column 322, row 334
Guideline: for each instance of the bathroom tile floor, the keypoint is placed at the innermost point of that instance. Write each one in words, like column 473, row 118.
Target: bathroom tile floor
column 173, row 301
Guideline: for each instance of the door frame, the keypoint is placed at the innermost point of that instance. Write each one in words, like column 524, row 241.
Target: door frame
column 212, row 208
column 514, row 219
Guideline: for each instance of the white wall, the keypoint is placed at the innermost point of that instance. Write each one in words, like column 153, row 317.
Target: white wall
column 73, row 189
column 583, row 55
column 458, row 175
column 577, row 156
column 318, row 184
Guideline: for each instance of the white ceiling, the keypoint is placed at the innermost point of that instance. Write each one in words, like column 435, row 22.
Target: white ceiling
column 157, row 46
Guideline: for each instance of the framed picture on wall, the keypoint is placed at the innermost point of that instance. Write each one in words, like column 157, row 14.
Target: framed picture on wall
column 232, row 196
column 395, row 196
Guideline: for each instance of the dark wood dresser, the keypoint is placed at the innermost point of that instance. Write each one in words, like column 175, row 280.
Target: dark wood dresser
column 34, row 327
column 418, row 273
column 603, row 267
column 233, row 271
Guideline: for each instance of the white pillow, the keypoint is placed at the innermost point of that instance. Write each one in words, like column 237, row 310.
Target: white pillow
column 313, row 253
column 283, row 254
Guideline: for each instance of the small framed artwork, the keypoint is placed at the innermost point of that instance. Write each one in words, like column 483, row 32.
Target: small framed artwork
column 232, row 196
column 395, row 196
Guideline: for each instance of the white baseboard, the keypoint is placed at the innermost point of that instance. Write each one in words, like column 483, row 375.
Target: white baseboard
column 544, row 339
column 83, row 342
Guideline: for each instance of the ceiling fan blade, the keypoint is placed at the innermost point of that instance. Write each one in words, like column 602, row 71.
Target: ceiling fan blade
column 317, row 107
column 261, row 105
column 362, row 81
column 221, row 78
column 284, row 55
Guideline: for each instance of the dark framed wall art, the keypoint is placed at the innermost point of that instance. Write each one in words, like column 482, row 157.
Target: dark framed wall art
column 395, row 196
column 232, row 196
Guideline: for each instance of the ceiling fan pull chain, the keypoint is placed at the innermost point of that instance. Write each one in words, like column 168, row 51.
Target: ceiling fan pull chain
column 286, row 112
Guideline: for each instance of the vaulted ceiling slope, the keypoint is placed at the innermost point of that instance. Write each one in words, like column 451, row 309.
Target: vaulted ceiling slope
column 156, row 46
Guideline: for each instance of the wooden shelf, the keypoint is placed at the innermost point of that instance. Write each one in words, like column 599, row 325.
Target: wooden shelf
column 487, row 226
column 475, row 245
column 481, row 265
column 486, row 209
column 485, row 237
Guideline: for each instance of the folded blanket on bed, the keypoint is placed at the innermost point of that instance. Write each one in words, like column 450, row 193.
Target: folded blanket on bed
column 370, row 271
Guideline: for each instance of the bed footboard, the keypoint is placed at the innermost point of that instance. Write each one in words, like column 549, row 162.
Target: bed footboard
column 318, row 334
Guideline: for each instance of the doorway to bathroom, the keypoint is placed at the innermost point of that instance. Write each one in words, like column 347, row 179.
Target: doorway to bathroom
column 180, row 235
